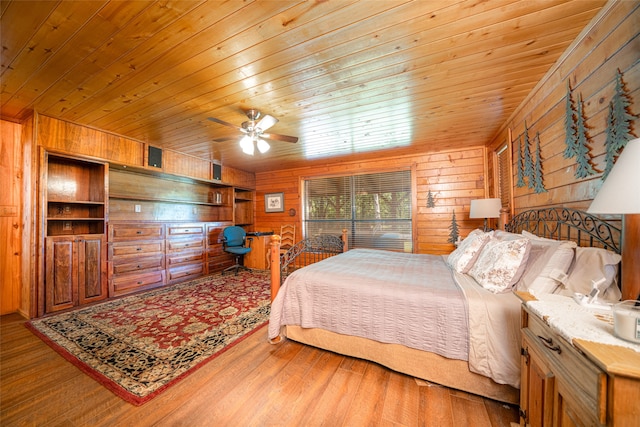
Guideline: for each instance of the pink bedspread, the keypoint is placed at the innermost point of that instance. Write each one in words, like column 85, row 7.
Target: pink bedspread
column 408, row 299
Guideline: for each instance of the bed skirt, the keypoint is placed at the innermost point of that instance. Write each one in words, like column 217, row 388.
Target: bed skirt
column 420, row 364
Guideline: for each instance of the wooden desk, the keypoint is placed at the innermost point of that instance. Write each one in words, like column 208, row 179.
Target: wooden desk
column 258, row 258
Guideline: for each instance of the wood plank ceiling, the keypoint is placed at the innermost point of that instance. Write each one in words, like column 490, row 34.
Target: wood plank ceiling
column 352, row 80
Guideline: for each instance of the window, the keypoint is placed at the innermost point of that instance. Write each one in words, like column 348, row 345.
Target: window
column 374, row 208
column 503, row 175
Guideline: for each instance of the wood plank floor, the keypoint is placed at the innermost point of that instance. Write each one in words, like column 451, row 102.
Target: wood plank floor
column 252, row 384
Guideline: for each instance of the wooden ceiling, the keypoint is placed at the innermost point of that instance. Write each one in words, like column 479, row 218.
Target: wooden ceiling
column 352, row 80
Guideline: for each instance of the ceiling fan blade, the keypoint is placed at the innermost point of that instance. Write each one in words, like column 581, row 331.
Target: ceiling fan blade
column 277, row 137
column 222, row 122
column 225, row 139
column 266, row 122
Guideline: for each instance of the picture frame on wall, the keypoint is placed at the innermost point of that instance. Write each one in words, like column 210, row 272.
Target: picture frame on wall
column 274, row 202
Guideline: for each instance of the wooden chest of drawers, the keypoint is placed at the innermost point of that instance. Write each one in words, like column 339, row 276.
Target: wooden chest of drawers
column 185, row 251
column 136, row 257
column 146, row 255
column 579, row 383
column 217, row 258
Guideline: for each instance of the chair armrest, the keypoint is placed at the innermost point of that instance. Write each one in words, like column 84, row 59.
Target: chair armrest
column 250, row 239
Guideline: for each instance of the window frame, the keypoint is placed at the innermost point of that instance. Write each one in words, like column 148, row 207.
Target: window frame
column 352, row 221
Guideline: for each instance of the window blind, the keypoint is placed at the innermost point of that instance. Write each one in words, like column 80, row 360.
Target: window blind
column 374, row 208
column 503, row 176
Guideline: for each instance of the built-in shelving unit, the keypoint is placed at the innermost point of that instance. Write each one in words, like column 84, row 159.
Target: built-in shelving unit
column 75, row 197
column 75, row 214
column 243, row 209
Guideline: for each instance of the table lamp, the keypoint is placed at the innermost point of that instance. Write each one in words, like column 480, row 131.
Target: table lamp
column 620, row 194
column 485, row 208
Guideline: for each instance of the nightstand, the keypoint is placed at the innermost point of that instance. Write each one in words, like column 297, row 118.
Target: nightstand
column 574, row 382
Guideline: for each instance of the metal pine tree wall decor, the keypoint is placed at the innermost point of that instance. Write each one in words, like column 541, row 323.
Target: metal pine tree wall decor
column 430, row 202
column 538, row 185
column 583, row 155
column 519, row 166
column 570, row 139
column 528, row 163
column 618, row 124
column 453, row 234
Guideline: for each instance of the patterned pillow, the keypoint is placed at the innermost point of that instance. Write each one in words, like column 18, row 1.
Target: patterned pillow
column 462, row 259
column 500, row 264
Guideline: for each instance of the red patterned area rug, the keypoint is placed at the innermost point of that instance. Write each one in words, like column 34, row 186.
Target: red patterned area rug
column 140, row 345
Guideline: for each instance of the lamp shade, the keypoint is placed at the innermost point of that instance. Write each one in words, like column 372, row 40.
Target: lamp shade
column 620, row 192
column 485, row 208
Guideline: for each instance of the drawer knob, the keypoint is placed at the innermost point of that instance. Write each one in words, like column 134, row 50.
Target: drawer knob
column 548, row 342
column 139, row 232
column 138, row 266
column 139, row 283
column 138, row 249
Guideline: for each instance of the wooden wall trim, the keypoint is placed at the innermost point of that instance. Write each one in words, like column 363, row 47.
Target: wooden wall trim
column 455, row 178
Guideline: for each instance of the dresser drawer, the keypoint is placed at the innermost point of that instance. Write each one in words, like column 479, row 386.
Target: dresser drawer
column 185, row 230
column 185, row 258
column 135, row 248
column 123, row 265
column 181, row 274
column 119, row 232
column 128, row 283
column 186, row 244
column 214, row 233
column 587, row 383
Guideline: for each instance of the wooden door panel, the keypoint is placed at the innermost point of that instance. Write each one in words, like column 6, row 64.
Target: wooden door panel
column 61, row 282
column 92, row 284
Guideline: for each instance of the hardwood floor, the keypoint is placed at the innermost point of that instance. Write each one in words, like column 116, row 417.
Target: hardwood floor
column 252, row 384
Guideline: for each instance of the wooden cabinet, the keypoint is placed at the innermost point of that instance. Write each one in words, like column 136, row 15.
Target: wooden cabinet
column 185, row 251
column 73, row 271
column 243, row 207
column 75, row 194
column 258, row 258
column 136, row 257
column 575, row 384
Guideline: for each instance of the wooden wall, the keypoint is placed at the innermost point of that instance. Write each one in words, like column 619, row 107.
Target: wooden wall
column 454, row 178
column 10, row 216
column 609, row 44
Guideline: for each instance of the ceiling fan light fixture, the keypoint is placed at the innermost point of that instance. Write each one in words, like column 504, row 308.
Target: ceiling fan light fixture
column 263, row 146
column 246, row 143
column 266, row 122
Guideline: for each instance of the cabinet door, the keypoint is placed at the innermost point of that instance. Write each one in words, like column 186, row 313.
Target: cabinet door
column 61, row 282
column 537, row 392
column 92, row 283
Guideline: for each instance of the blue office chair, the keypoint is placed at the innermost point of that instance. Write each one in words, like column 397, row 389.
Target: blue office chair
column 234, row 239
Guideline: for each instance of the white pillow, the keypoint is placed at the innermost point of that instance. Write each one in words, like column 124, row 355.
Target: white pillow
column 463, row 258
column 592, row 264
column 529, row 235
column 506, row 235
column 547, row 259
column 500, row 264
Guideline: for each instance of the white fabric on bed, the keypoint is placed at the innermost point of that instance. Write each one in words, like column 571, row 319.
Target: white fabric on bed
column 381, row 296
column 492, row 348
column 494, row 338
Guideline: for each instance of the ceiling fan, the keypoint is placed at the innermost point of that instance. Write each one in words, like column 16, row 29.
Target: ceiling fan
column 254, row 131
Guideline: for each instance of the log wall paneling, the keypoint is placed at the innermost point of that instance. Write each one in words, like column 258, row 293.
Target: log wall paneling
column 185, row 165
column 454, row 178
column 10, row 216
column 70, row 138
column 590, row 65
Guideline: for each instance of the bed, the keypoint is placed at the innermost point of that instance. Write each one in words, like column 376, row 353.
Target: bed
column 438, row 318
